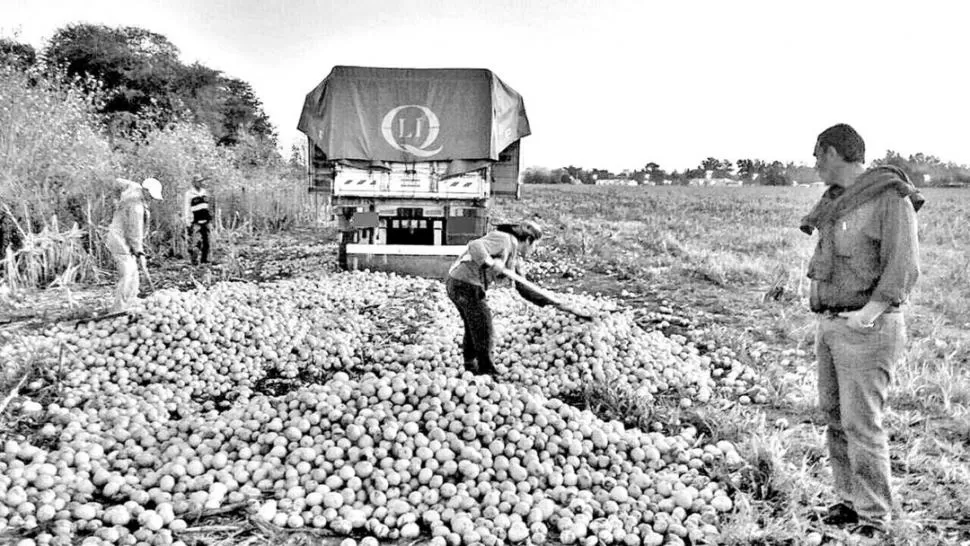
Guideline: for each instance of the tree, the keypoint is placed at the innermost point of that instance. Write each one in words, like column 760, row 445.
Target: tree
column 536, row 175
column 922, row 159
column 243, row 113
column 683, row 178
column 16, row 54
column 199, row 88
column 652, row 172
column 775, row 175
column 750, row 169
column 710, row 164
column 137, row 67
column 577, row 173
column 599, row 174
column 145, row 84
column 745, row 168
column 298, row 156
column 801, row 174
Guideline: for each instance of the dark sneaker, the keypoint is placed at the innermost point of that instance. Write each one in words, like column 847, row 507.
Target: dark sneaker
column 869, row 531
column 840, row 514
column 487, row 370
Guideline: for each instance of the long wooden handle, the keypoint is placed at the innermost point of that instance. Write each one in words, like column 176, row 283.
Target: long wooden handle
column 531, row 285
column 144, row 269
column 551, row 297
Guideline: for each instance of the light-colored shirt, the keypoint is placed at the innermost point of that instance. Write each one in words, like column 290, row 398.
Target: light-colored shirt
column 500, row 246
column 127, row 228
column 470, row 266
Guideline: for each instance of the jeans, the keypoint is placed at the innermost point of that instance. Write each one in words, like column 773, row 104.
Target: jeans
column 854, row 373
column 477, row 317
column 202, row 245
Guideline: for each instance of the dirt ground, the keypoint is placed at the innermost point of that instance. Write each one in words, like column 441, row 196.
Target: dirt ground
column 261, row 258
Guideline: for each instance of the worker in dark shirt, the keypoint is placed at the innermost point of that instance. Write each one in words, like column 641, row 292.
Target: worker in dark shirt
column 198, row 214
column 864, row 267
column 484, row 260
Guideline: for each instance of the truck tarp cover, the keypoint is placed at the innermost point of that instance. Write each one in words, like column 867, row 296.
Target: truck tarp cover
column 466, row 116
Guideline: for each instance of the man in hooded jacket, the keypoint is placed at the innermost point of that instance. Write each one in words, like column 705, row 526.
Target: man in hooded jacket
column 864, row 267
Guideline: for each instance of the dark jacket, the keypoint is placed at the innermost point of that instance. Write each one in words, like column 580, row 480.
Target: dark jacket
column 868, row 248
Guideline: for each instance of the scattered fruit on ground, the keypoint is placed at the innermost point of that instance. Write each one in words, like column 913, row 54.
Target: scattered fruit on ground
column 340, row 403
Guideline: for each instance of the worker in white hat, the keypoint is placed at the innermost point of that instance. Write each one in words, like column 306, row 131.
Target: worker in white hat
column 125, row 235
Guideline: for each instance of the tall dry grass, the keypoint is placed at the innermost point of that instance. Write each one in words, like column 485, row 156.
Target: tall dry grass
column 50, row 257
column 57, row 194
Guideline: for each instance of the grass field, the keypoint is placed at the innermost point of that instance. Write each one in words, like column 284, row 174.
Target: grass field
column 735, row 256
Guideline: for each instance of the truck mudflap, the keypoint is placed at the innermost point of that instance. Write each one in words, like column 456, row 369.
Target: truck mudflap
column 431, row 261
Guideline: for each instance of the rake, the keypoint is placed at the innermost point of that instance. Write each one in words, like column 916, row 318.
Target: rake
column 144, row 269
column 581, row 313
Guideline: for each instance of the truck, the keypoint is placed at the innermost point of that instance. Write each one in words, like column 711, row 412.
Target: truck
column 412, row 160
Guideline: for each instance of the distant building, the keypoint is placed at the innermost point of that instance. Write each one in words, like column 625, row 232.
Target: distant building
column 727, row 182
column 616, row 182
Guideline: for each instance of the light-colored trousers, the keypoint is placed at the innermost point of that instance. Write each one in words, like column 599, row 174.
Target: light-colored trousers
column 127, row 290
column 854, row 372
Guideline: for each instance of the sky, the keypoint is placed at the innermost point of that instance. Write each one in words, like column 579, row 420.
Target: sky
column 611, row 84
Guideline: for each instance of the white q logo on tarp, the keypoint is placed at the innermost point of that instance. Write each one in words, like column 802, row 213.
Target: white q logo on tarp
column 427, row 121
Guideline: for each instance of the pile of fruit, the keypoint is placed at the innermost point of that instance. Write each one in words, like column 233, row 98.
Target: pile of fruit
column 734, row 378
column 163, row 415
column 541, row 270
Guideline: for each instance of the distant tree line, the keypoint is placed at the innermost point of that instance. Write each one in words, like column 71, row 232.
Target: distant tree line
column 928, row 170
column 142, row 85
column 923, row 170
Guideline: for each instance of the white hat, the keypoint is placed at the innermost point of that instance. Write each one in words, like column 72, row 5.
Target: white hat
column 154, row 188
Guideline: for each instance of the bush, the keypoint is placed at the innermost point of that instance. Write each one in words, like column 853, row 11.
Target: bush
column 174, row 155
column 57, row 168
column 255, row 195
column 53, row 159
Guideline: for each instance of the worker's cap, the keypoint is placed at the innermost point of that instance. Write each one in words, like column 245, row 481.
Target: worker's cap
column 199, row 178
column 154, row 188
column 531, row 229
